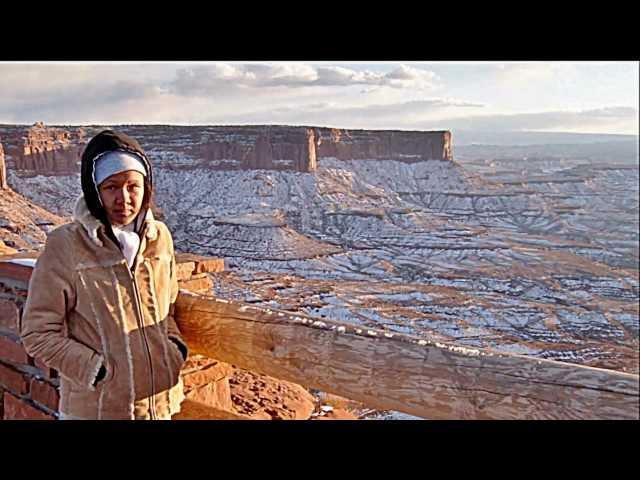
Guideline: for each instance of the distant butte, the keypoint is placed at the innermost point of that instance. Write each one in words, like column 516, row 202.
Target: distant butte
column 56, row 151
column 43, row 150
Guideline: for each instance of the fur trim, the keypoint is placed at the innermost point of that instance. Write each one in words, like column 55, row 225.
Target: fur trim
column 127, row 345
column 152, row 229
column 91, row 224
column 103, row 341
column 176, row 397
column 94, row 373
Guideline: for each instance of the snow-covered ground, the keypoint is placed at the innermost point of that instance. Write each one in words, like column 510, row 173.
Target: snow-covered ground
column 541, row 261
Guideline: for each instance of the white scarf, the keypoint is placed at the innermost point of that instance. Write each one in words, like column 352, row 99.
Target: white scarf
column 129, row 241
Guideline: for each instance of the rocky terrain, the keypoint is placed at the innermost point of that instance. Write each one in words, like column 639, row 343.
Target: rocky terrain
column 24, row 225
column 402, row 146
column 55, row 150
column 436, row 249
column 527, row 249
column 38, row 148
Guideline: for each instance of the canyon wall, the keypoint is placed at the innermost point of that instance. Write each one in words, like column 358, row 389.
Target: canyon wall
column 45, row 150
column 403, row 146
column 56, row 151
column 250, row 148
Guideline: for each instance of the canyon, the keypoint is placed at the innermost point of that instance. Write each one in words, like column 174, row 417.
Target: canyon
column 527, row 249
column 56, row 150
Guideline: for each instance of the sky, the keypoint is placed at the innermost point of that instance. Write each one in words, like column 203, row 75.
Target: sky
column 579, row 97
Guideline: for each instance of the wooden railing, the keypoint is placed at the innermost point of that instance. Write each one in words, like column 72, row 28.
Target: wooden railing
column 391, row 371
column 399, row 372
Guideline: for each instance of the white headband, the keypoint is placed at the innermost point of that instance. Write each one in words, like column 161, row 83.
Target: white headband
column 115, row 162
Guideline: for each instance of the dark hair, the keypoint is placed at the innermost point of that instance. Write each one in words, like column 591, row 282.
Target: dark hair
column 147, row 199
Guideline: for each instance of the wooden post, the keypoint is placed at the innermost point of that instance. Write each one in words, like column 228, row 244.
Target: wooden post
column 398, row 372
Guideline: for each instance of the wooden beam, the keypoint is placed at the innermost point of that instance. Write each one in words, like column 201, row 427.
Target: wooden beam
column 399, row 372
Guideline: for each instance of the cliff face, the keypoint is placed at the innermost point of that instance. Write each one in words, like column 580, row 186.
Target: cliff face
column 56, row 151
column 248, row 148
column 46, row 150
column 284, row 147
column 403, row 146
column 23, row 224
column 299, row 148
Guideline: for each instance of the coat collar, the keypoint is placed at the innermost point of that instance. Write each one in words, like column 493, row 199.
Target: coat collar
column 92, row 225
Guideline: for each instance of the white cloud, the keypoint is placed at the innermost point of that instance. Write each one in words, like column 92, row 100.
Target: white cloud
column 70, row 92
column 390, row 115
column 409, row 77
column 527, row 72
column 613, row 119
column 211, row 79
column 566, row 97
column 289, row 74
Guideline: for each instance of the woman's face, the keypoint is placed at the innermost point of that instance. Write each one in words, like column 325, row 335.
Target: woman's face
column 121, row 196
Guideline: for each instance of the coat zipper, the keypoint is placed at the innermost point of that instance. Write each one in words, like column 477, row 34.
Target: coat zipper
column 152, row 402
column 146, row 344
column 141, row 324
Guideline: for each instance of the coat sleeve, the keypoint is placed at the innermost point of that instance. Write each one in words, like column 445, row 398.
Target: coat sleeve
column 51, row 297
column 173, row 330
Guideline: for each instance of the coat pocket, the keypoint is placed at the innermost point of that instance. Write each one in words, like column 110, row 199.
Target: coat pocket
column 177, row 359
column 110, row 367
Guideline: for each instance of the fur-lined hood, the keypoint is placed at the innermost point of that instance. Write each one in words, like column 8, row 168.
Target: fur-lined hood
column 104, row 142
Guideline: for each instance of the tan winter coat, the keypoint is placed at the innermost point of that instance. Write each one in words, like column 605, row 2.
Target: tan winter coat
column 85, row 309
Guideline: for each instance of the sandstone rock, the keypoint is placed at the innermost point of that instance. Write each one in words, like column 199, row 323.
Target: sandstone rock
column 55, row 151
column 197, row 362
column 404, row 146
column 200, row 371
column 206, row 381
column 298, row 148
column 46, row 150
column 214, row 394
column 5, row 249
column 184, row 269
column 263, row 397
column 23, row 225
column 202, row 264
column 193, row 410
column 259, row 147
column 202, row 285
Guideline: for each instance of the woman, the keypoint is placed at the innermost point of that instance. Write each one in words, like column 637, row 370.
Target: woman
column 100, row 303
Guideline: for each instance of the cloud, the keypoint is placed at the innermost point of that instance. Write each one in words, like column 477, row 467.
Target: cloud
column 409, row 77
column 607, row 119
column 86, row 103
column 392, row 115
column 518, row 73
column 443, row 113
column 212, row 79
column 610, row 112
column 304, row 94
column 70, row 93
